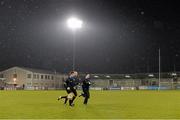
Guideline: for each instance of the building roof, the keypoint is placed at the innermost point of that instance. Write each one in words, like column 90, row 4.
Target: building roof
column 2, row 79
column 38, row 70
column 34, row 70
column 136, row 75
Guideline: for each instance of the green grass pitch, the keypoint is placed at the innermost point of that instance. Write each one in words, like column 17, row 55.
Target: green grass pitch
column 102, row 104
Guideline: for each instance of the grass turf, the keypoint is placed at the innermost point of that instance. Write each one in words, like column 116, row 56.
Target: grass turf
column 103, row 104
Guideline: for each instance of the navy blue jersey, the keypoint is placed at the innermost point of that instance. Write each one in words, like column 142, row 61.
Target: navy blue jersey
column 71, row 82
column 85, row 84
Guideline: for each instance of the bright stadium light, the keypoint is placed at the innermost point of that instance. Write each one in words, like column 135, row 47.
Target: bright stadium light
column 96, row 76
column 174, row 74
column 74, row 23
column 108, row 76
column 151, row 75
column 127, row 76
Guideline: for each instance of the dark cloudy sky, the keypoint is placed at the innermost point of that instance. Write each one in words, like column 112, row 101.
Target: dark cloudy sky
column 118, row 36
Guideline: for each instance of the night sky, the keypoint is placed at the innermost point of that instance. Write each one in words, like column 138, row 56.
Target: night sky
column 118, row 36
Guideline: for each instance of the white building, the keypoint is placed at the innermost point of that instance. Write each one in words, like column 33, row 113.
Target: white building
column 32, row 79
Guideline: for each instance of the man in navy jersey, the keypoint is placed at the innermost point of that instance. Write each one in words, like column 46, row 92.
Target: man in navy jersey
column 70, row 86
column 85, row 87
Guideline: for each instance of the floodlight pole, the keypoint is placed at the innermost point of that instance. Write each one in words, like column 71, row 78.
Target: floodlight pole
column 74, row 24
column 74, row 50
column 159, row 69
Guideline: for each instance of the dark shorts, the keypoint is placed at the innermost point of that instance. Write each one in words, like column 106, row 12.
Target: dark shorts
column 74, row 91
column 86, row 93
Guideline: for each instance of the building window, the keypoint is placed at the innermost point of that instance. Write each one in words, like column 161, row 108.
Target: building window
column 34, row 76
column 35, row 84
column 28, row 84
column 52, row 77
column 14, row 75
column 37, row 76
column 28, row 75
column 1, row 76
column 48, row 77
column 42, row 76
column 45, row 76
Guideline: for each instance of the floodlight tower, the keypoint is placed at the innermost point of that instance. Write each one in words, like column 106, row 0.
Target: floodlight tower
column 74, row 24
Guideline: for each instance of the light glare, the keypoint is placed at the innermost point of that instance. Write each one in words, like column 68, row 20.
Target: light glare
column 74, row 23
